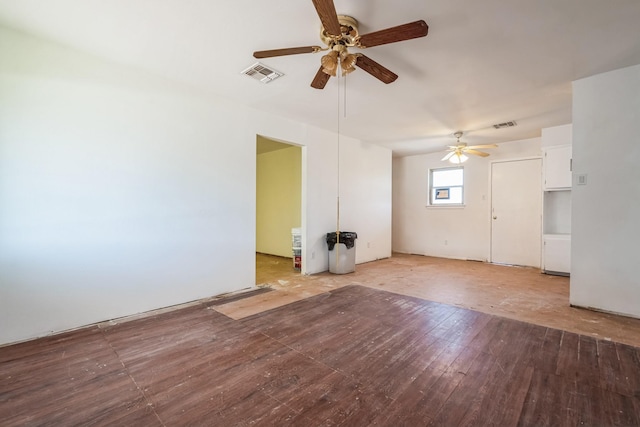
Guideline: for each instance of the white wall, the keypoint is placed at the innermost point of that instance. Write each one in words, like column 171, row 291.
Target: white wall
column 605, row 211
column 364, row 186
column 557, row 135
column 366, row 202
column 121, row 192
column 423, row 230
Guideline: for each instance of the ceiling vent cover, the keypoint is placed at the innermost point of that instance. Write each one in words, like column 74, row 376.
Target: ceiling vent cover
column 262, row 73
column 510, row 124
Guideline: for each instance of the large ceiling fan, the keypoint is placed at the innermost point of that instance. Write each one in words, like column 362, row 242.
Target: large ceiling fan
column 458, row 153
column 340, row 33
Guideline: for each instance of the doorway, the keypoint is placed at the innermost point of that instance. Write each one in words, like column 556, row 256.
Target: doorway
column 516, row 212
column 278, row 207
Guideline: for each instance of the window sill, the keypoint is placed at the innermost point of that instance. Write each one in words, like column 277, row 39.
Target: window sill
column 445, row 206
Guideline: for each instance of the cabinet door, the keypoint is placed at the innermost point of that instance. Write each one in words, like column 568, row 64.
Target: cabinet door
column 557, row 167
column 557, row 253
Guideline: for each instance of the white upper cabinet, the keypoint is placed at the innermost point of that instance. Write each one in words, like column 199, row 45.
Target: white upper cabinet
column 557, row 167
column 556, row 148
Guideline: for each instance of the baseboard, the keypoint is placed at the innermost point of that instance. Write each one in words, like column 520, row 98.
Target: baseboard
column 600, row 310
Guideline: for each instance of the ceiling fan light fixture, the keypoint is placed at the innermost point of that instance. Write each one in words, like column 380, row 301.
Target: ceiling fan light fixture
column 346, row 71
column 330, row 63
column 458, row 158
column 348, row 62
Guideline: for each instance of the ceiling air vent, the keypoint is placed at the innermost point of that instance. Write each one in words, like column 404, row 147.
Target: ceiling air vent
column 510, row 124
column 262, row 73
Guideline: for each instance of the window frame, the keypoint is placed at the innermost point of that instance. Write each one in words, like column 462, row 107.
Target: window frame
column 431, row 188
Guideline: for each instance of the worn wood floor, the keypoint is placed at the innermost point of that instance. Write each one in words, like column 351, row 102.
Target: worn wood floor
column 514, row 292
column 335, row 354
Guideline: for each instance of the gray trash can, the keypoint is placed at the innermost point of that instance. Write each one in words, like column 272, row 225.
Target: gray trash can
column 342, row 252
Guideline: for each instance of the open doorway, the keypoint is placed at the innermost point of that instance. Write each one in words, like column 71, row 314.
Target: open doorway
column 278, row 207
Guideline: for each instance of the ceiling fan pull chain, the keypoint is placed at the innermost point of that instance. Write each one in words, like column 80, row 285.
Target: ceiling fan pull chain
column 338, row 168
column 344, row 94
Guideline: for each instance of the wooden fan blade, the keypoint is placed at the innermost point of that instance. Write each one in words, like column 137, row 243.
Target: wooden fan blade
column 376, row 70
column 287, row 51
column 328, row 16
column 400, row 33
column 483, row 146
column 320, row 80
column 448, row 156
column 475, row 152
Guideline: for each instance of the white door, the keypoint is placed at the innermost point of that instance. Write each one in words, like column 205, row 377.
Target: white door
column 516, row 212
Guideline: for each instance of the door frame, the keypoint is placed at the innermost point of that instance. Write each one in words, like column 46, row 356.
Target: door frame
column 490, row 204
column 303, row 194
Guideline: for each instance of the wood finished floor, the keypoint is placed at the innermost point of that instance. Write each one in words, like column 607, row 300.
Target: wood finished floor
column 513, row 292
column 354, row 356
column 367, row 348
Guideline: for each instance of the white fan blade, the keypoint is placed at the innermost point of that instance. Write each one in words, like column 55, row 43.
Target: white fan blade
column 483, row 146
column 476, row 152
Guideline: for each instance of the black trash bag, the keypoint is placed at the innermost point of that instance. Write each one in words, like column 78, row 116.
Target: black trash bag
column 348, row 238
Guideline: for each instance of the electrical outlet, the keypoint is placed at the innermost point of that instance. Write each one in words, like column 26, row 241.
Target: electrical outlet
column 313, row 255
column 446, row 242
column 368, row 244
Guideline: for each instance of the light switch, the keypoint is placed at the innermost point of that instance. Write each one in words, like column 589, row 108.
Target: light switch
column 582, row 179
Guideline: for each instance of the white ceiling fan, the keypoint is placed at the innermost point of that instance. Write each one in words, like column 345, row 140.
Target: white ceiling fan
column 458, row 153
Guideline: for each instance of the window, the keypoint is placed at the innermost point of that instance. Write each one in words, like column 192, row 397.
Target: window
column 446, row 186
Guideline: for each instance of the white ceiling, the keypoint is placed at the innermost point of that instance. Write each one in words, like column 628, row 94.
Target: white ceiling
column 483, row 62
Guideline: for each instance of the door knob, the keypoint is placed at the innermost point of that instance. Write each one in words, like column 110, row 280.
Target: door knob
column 495, row 217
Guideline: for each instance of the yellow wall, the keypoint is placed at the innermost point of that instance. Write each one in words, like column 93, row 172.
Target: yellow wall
column 278, row 201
